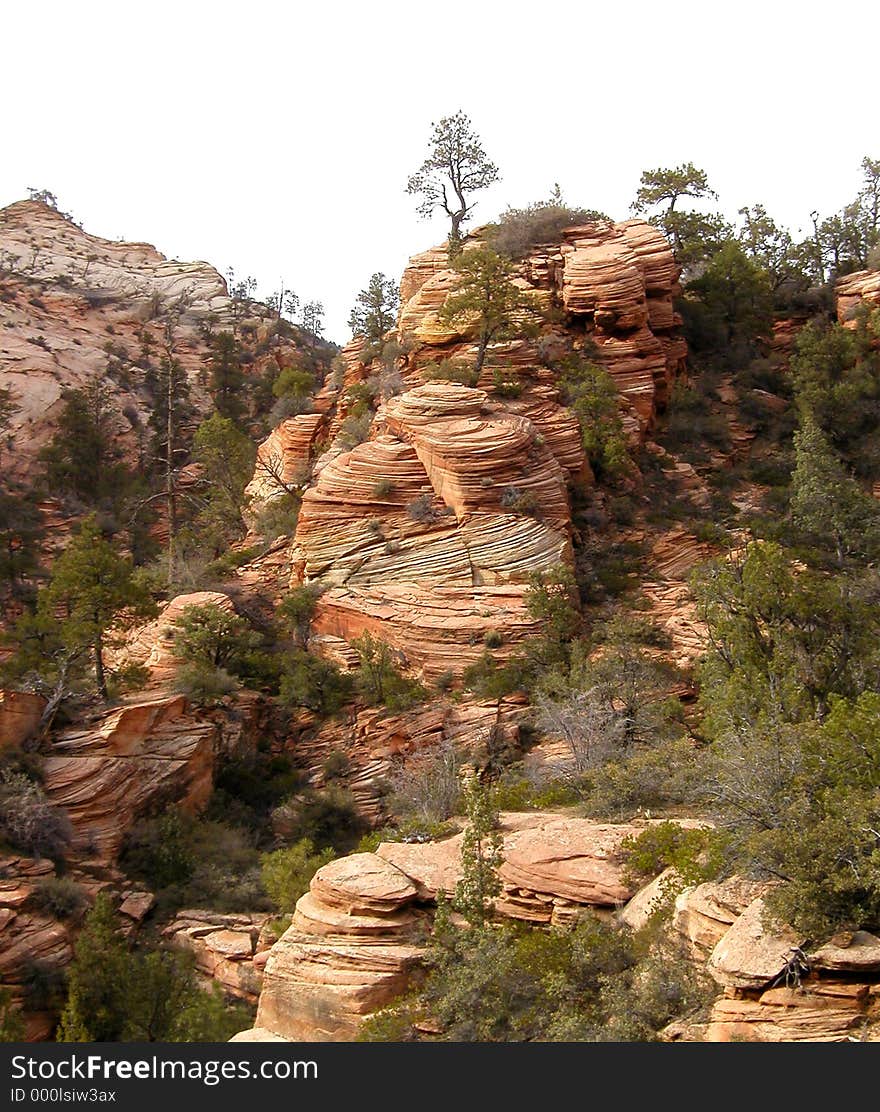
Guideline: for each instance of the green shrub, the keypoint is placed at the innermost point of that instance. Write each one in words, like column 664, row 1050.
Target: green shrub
column 378, row 678
column 421, row 509
column 194, row 862
column 355, row 429
column 319, row 685
column 205, row 686
column 336, row 766
column 450, row 370
column 519, row 501
column 506, row 386
column 59, row 896
column 286, row 873
column 211, row 637
column 513, row 983
column 329, row 818
column 541, row 223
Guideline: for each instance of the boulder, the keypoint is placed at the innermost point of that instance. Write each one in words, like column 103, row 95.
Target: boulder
column 751, row 953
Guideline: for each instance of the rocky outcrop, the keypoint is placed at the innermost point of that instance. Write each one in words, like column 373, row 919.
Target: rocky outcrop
column 229, row 950
column 32, row 944
column 20, row 715
column 426, row 535
column 750, row 954
column 616, row 281
column 356, row 940
column 106, row 772
column 773, row 989
column 704, row 915
column 350, row 950
column 77, row 308
column 854, row 291
column 283, row 461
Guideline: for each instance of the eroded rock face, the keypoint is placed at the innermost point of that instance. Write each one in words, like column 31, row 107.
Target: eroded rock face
column 350, row 951
column 860, row 289
column 30, row 940
column 228, row 949
column 105, row 773
column 426, row 535
column 20, row 714
column 74, row 303
column 617, row 280
column 283, row 461
column 820, row 1011
column 376, row 742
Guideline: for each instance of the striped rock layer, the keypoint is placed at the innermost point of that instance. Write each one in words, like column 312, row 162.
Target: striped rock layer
column 426, row 535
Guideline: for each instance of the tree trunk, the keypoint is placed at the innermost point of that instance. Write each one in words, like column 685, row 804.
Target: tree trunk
column 99, row 666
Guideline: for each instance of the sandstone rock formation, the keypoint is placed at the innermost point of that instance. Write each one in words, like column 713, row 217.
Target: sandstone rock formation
column 31, row 941
column 772, row 989
column 426, row 535
column 105, row 772
column 349, row 951
column 861, row 288
column 617, row 280
column 356, row 939
column 20, row 714
column 376, row 742
column 283, row 460
column 229, row 950
column 77, row 307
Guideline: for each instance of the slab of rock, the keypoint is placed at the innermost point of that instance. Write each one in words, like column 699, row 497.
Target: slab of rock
column 649, row 900
column 750, row 954
column 815, row 1013
column 313, row 916
column 704, row 914
column 859, row 289
column 317, row 991
column 856, row 952
column 431, row 866
column 225, row 948
column 362, row 883
column 137, row 905
column 573, row 858
column 20, row 714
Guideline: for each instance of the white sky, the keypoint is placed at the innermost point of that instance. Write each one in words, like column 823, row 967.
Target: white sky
column 277, row 137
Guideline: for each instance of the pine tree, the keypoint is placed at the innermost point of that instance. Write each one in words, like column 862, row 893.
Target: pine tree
column 96, row 1008
column 488, row 301
column 456, row 167
column 376, row 309
column 226, row 458
column 226, row 377
column 827, row 503
column 480, row 854
column 170, row 420
column 92, row 586
column 82, row 461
